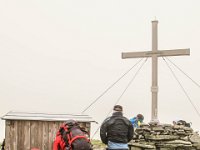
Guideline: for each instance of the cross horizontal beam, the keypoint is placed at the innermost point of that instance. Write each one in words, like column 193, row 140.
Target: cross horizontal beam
column 158, row 53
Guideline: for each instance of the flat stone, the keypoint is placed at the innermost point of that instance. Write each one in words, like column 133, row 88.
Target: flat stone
column 165, row 148
column 168, row 128
column 144, row 125
column 161, row 137
column 187, row 129
column 146, row 133
column 174, row 145
column 178, row 126
column 167, row 125
column 135, row 148
column 185, row 148
column 196, row 145
column 158, row 128
column 146, row 129
column 186, row 138
column 179, row 142
column 195, row 138
column 181, row 132
column 139, row 131
column 142, row 145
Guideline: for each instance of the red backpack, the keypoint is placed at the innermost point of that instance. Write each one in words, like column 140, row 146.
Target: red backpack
column 74, row 137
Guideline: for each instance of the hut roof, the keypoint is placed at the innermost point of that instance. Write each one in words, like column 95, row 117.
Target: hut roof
column 14, row 115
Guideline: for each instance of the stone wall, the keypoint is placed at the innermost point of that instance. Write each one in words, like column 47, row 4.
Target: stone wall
column 165, row 137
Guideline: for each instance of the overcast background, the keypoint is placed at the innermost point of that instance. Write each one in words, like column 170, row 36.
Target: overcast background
column 59, row 56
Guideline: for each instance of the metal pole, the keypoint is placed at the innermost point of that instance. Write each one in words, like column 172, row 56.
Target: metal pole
column 154, row 88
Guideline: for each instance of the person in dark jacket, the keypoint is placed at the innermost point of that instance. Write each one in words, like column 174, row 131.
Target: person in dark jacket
column 116, row 131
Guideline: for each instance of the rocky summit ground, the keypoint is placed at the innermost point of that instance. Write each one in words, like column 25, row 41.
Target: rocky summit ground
column 98, row 145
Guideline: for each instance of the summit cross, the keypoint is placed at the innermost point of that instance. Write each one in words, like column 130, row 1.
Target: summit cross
column 155, row 53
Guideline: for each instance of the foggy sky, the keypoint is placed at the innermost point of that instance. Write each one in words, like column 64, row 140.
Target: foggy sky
column 56, row 54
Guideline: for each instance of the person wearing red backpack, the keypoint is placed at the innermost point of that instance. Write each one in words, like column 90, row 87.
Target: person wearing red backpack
column 71, row 137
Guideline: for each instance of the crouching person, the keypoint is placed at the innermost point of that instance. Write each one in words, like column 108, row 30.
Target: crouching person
column 116, row 131
column 71, row 137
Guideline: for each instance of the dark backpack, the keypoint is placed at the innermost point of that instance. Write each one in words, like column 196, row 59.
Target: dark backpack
column 182, row 122
column 75, row 138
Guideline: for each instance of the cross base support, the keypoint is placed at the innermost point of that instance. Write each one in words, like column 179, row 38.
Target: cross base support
column 154, row 122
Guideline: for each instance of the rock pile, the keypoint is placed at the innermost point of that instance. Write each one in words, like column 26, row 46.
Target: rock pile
column 165, row 137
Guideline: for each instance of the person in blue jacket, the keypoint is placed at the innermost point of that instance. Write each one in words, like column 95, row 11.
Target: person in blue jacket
column 136, row 121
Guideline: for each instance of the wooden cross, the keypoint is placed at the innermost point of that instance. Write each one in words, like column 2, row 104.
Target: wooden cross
column 155, row 53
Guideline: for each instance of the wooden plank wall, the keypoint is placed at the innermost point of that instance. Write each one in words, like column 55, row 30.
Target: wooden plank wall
column 25, row 135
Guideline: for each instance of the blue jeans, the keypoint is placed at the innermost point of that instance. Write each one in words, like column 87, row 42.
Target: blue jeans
column 117, row 146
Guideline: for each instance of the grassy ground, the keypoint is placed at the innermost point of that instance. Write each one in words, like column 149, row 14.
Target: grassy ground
column 98, row 145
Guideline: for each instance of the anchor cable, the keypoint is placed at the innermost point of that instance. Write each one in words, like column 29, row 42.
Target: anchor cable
column 111, row 86
column 182, row 88
column 183, row 72
column 130, row 82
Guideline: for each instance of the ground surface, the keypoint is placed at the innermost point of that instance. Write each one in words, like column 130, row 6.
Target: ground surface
column 98, row 145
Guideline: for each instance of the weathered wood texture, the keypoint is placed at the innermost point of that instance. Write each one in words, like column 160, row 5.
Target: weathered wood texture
column 25, row 135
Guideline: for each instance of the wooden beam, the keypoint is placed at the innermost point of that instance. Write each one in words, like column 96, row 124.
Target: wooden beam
column 159, row 53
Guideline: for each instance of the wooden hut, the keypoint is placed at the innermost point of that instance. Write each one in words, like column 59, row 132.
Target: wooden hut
column 28, row 130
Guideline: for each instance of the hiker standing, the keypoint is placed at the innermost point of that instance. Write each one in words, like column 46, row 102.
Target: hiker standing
column 136, row 121
column 116, row 131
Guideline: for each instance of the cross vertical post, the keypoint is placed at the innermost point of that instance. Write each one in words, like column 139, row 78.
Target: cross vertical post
column 155, row 53
column 154, row 88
